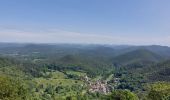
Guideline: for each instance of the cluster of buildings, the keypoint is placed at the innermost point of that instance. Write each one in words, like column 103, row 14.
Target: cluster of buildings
column 99, row 86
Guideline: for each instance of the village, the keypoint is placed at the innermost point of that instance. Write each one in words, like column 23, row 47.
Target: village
column 101, row 86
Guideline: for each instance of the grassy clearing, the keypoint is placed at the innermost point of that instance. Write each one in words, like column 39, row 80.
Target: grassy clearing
column 60, row 79
column 76, row 73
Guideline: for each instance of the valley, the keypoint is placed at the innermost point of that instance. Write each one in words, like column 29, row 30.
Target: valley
column 83, row 72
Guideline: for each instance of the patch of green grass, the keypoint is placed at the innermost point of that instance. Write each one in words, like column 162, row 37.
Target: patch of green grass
column 58, row 75
column 58, row 78
column 110, row 77
column 76, row 73
column 60, row 82
column 97, row 78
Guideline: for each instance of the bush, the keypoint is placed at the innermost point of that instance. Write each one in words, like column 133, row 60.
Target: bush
column 11, row 89
column 122, row 95
column 159, row 91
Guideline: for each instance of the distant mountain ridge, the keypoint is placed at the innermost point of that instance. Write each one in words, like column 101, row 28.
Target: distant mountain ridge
column 124, row 54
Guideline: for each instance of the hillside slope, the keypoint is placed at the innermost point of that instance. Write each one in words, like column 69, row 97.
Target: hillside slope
column 140, row 56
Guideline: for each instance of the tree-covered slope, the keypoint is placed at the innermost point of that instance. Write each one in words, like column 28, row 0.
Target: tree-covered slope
column 140, row 56
column 157, row 72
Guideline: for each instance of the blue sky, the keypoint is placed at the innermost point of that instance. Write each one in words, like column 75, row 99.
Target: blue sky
column 136, row 22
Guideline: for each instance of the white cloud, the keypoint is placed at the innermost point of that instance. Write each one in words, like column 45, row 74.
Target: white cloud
column 58, row 36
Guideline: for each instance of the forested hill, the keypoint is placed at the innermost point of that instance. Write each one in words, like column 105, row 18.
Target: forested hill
column 157, row 72
column 140, row 56
column 96, row 59
column 83, row 72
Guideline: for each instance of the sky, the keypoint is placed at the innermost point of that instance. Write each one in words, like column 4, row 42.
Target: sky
column 132, row 22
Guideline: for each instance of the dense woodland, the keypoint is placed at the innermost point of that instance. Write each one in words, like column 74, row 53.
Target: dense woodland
column 66, row 72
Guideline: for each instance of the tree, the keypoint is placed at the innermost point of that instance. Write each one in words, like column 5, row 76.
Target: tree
column 11, row 89
column 159, row 91
column 122, row 95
